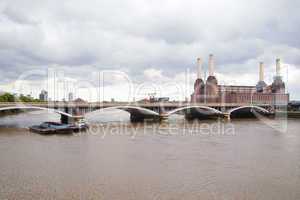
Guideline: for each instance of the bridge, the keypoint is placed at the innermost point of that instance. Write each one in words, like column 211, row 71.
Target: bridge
column 70, row 111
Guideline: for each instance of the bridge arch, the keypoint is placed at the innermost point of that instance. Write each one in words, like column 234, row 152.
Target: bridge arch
column 35, row 108
column 129, row 109
column 249, row 109
column 136, row 113
column 211, row 110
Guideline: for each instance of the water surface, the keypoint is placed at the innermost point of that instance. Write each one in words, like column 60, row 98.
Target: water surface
column 147, row 161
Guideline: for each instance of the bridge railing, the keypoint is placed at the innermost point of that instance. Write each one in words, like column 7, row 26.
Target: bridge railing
column 109, row 104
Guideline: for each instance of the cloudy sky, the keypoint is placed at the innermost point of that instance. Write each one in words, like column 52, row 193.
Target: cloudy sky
column 145, row 44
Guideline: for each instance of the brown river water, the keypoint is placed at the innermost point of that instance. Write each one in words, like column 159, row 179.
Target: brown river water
column 241, row 159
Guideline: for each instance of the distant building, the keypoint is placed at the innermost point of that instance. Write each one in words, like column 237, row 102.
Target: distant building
column 79, row 100
column 145, row 100
column 153, row 99
column 43, row 95
column 210, row 91
column 70, row 96
column 163, row 99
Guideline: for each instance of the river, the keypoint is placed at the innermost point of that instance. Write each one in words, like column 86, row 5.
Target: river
column 241, row 159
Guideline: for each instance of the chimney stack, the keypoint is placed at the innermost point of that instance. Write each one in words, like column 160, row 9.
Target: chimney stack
column 278, row 67
column 261, row 71
column 211, row 65
column 199, row 68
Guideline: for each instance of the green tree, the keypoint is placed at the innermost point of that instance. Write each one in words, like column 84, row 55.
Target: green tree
column 7, row 97
column 23, row 98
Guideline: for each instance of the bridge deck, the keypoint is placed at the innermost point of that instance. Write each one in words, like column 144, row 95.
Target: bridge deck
column 136, row 104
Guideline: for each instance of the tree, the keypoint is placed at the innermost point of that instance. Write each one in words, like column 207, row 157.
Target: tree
column 7, row 97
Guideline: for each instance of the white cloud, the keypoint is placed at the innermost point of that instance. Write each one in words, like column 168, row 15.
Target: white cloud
column 153, row 74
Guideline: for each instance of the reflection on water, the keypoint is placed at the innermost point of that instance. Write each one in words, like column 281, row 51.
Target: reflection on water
column 26, row 119
column 256, row 162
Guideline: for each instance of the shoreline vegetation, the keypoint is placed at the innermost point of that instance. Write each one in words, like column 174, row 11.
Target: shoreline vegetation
column 8, row 97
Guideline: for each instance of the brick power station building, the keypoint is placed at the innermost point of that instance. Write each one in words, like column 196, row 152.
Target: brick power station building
column 210, row 91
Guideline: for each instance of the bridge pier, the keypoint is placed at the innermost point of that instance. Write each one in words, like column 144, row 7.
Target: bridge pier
column 227, row 116
column 163, row 117
column 64, row 119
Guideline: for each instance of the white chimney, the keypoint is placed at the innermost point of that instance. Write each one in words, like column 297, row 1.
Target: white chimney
column 211, row 65
column 199, row 68
column 261, row 71
column 278, row 67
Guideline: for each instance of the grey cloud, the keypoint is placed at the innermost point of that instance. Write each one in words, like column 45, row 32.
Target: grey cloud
column 17, row 16
column 135, row 35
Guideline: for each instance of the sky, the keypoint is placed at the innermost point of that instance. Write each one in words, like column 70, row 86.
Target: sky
column 125, row 49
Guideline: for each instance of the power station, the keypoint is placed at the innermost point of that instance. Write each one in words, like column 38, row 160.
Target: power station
column 211, row 92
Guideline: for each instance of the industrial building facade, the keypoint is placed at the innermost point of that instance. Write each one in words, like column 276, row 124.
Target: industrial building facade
column 211, row 92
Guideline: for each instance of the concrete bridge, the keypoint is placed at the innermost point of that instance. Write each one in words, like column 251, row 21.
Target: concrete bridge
column 70, row 111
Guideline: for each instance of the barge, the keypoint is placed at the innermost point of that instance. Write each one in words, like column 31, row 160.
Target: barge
column 58, row 128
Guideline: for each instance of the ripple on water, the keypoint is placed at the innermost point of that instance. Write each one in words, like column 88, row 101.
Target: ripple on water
column 255, row 163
